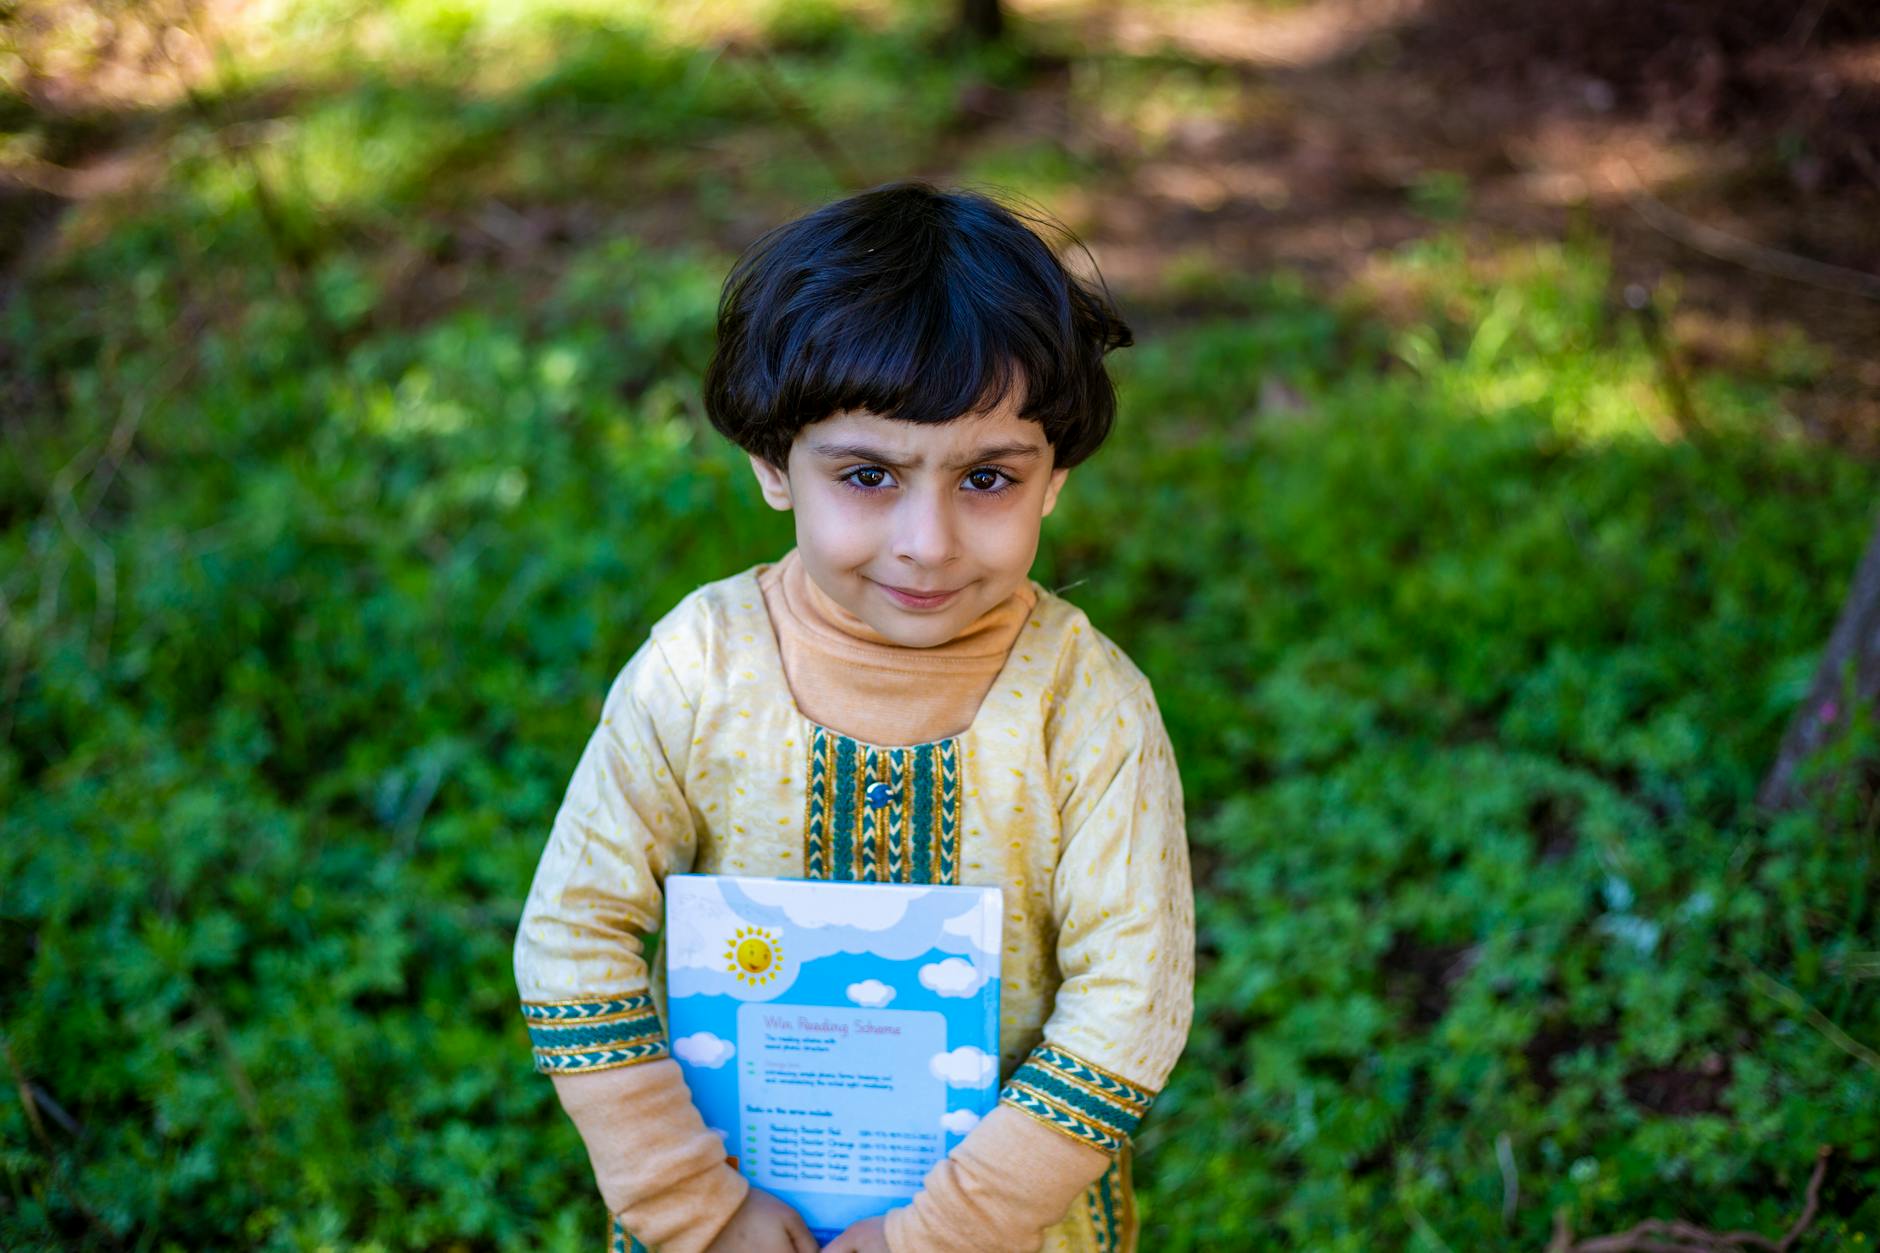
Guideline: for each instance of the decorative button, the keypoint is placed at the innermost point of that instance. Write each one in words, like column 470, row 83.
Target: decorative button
column 877, row 795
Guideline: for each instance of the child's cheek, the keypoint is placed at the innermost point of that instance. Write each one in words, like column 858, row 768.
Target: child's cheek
column 843, row 527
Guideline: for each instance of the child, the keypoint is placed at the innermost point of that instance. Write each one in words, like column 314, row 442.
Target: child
column 913, row 373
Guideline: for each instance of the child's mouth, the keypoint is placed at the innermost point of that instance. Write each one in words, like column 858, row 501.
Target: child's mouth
column 913, row 600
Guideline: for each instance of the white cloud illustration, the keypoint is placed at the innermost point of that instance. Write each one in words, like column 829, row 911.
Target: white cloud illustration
column 953, row 977
column 979, row 925
column 700, row 944
column 959, row 1121
column 874, row 907
column 964, row 1067
column 704, row 1049
column 870, row 993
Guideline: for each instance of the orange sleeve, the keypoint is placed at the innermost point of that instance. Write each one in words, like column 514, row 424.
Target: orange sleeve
column 998, row 1189
column 661, row 1172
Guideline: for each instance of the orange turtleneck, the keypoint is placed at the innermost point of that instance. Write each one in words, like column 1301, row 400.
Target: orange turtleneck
column 849, row 677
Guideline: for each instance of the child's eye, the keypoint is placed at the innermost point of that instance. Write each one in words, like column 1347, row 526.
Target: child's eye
column 986, row 481
column 865, row 477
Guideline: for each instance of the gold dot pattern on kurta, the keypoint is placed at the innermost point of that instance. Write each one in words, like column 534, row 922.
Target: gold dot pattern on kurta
column 1066, row 782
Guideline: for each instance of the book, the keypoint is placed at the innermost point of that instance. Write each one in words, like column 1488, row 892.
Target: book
column 840, row 1037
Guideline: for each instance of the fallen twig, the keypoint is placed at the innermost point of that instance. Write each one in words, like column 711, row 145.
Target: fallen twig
column 1795, row 1003
column 791, row 107
column 1657, row 1235
column 1664, row 352
column 53, row 1161
column 1751, row 256
column 1510, row 1178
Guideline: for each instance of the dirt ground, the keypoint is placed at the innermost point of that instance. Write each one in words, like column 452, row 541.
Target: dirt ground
column 1362, row 99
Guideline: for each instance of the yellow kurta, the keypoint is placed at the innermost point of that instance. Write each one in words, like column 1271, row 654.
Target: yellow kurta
column 1063, row 791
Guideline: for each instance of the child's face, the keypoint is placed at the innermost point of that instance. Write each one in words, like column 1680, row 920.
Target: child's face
column 885, row 509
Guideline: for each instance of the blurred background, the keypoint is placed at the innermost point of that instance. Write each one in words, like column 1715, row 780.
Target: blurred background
column 1494, row 463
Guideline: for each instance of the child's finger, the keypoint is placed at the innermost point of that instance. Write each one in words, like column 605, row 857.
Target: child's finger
column 801, row 1241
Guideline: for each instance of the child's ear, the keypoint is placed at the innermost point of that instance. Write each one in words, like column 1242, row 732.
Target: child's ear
column 1051, row 489
column 773, row 482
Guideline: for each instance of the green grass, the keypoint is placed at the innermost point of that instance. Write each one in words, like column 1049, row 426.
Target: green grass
column 1472, row 674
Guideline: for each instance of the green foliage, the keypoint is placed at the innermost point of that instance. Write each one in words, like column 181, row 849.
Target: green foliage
column 274, row 843
column 309, row 604
column 1472, row 692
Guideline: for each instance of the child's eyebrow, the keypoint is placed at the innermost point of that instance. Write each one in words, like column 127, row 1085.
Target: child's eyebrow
column 862, row 452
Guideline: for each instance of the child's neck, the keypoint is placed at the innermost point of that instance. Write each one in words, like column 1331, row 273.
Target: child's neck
column 847, row 676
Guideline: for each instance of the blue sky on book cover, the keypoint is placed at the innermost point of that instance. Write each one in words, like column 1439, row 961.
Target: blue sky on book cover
column 840, row 1036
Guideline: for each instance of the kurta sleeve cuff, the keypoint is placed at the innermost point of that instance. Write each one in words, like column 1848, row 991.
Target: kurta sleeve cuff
column 1077, row 1098
column 597, row 1034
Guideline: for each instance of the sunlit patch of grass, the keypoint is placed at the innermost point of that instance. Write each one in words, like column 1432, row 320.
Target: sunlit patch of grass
column 507, row 42
column 1042, row 169
column 591, row 50
column 1188, row 8
column 1148, row 98
column 413, row 107
column 1538, row 326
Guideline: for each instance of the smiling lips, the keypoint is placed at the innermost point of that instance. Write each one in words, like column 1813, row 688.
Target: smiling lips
column 911, row 598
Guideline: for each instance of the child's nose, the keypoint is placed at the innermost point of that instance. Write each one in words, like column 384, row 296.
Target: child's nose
column 925, row 531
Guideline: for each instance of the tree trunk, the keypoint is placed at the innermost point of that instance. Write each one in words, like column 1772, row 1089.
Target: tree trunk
column 1824, row 713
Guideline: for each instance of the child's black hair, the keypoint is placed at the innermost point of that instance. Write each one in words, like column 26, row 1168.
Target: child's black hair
column 913, row 303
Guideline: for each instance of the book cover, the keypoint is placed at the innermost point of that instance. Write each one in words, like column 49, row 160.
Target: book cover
column 841, row 1037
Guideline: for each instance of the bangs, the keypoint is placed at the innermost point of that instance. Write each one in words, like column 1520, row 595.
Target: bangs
column 916, row 305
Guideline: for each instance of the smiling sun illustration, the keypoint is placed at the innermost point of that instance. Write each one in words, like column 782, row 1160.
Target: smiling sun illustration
column 754, row 955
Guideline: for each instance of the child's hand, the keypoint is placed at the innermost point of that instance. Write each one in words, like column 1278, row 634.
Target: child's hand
column 867, row 1236
column 763, row 1224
